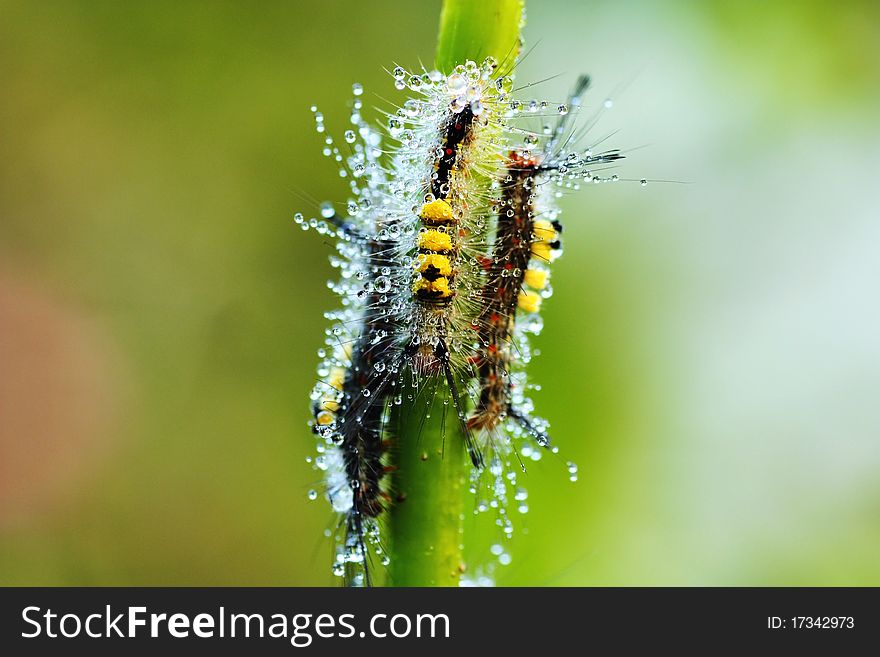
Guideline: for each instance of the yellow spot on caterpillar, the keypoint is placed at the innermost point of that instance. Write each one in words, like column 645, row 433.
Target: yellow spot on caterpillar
column 345, row 350
column 529, row 301
column 325, row 417
column 336, row 378
column 535, row 278
column 330, row 405
column 544, row 231
column 438, row 211
column 434, row 240
column 436, row 289
column 439, row 262
column 542, row 251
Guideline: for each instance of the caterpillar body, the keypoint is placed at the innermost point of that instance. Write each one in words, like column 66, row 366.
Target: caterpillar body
column 527, row 240
column 449, row 140
column 349, row 410
column 519, row 236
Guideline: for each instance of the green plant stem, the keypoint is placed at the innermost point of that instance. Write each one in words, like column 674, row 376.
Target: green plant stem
column 476, row 29
column 429, row 484
column 432, row 463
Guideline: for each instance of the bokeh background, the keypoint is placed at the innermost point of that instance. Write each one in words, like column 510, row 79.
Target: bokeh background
column 711, row 357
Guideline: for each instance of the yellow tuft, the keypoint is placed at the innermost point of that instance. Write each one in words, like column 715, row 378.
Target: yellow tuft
column 434, row 240
column 436, row 289
column 439, row 262
column 544, row 231
column 325, row 417
column 330, row 405
column 542, row 251
column 336, row 378
column 529, row 301
column 343, row 351
column 536, row 278
column 438, row 211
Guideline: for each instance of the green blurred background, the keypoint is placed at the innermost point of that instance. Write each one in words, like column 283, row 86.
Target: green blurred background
column 711, row 357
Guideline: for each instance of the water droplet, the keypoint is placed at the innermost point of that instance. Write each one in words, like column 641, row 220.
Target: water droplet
column 395, row 127
column 643, row 182
column 382, row 284
column 456, row 84
column 313, row 494
column 357, row 89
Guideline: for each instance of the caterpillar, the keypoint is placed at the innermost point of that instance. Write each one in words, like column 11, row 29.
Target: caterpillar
column 449, row 140
column 437, row 262
column 510, row 284
column 360, row 423
column 527, row 240
column 348, row 411
column 525, row 243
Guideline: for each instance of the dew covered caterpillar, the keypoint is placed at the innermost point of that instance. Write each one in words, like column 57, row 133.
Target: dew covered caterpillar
column 540, row 169
column 519, row 236
column 437, row 262
column 348, row 409
column 359, row 423
column 449, row 143
column 527, row 240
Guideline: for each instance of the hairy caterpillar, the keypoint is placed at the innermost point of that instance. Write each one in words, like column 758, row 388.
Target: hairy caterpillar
column 348, row 412
column 437, row 262
column 518, row 236
column 527, row 240
column 445, row 190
